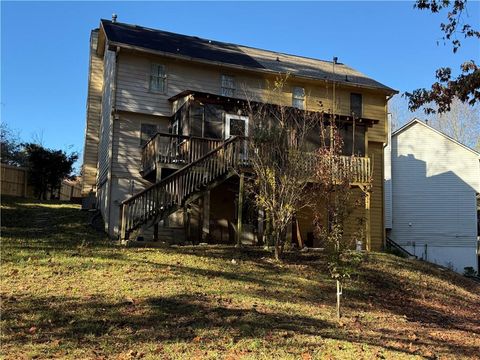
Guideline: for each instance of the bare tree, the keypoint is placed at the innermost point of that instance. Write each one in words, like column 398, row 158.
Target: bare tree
column 338, row 203
column 276, row 155
column 462, row 123
column 398, row 107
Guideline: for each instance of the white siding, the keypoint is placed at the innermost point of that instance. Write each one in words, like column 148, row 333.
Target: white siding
column 388, row 176
column 435, row 182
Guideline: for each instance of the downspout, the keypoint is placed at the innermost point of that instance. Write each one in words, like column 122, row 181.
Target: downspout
column 386, row 112
column 112, row 116
column 389, row 132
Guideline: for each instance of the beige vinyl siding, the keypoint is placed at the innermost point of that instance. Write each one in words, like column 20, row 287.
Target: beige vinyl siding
column 103, row 203
column 135, row 104
column 126, row 161
column 375, row 152
column 374, row 107
column 133, row 92
column 106, row 123
column 94, row 110
column 127, row 152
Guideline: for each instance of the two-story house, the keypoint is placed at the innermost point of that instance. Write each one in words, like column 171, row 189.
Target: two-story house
column 161, row 112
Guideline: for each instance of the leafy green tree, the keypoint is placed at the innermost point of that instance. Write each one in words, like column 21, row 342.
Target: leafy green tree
column 47, row 168
column 11, row 147
column 465, row 86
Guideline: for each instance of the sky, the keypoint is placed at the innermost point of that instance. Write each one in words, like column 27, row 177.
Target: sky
column 44, row 47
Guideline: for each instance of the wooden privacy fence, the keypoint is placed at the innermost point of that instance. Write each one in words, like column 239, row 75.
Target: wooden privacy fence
column 14, row 182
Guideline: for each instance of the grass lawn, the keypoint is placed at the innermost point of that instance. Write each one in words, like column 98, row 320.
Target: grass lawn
column 67, row 292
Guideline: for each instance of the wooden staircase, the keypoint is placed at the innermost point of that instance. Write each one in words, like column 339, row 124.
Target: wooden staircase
column 170, row 194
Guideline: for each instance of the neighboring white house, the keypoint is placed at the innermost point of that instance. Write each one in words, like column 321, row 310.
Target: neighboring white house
column 432, row 184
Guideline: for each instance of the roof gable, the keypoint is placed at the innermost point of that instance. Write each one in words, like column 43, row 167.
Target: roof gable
column 418, row 122
column 195, row 48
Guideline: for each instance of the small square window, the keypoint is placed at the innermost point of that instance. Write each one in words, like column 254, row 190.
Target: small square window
column 228, row 85
column 147, row 131
column 158, row 78
column 298, row 97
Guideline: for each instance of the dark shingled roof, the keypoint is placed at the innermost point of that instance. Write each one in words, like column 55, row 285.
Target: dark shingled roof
column 236, row 55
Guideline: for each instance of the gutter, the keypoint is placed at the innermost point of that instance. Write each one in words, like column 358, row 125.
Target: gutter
column 389, row 124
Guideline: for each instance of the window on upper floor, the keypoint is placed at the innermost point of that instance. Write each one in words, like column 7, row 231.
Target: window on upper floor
column 356, row 105
column 147, row 131
column 228, row 85
column 353, row 140
column 158, row 78
column 298, row 97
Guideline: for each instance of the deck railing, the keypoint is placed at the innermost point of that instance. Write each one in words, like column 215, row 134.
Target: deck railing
column 174, row 149
column 170, row 193
column 357, row 168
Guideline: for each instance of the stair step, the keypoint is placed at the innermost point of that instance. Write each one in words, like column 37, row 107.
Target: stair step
column 225, row 158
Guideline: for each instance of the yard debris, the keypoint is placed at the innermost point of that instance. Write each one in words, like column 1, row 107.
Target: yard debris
column 128, row 300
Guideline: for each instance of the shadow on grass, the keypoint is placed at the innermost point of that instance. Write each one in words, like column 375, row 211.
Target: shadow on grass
column 414, row 298
column 33, row 230
column 187, row 318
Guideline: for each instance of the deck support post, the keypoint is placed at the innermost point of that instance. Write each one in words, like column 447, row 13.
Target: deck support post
column 158, row 172
column 186, row 223
column 206, row 216
column 368, row 235
column 123, row 220
column 240, row 209
column 155, row 232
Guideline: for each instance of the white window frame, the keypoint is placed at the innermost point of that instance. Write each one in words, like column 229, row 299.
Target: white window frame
column 228, row 117
column 227, row 84
column 298, row 101
column 156, row 74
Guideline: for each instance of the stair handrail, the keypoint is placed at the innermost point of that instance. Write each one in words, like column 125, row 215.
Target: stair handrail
column 183, row 169
column 185, row 137
column 390, row 243
column 165, row 182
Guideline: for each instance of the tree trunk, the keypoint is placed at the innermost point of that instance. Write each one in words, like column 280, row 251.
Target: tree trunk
column 339, row 294
column 278, row 245
column 277, row 252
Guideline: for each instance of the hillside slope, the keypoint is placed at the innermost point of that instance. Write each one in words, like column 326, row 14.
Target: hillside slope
column 68, row 293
